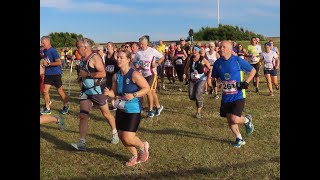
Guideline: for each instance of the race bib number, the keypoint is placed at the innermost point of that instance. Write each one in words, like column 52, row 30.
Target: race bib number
column 211, row 61
column 268, row 66
column 120, row 103
column 254, row 59
column 167, row 63
column 145, row 65
column 194, row 76
column 110, row 68
column 179, row 61
column 229, row 87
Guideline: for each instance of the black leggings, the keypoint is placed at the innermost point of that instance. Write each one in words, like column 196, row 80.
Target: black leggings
column 180, row 71
column 127, row 121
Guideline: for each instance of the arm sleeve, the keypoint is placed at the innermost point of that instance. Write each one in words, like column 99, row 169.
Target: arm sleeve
column 215, row 73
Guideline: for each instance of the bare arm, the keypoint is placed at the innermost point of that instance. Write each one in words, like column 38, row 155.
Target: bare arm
column 141, row 82
column 99, row 66
column 112, row 93
column 209, row 67
column 251, row 75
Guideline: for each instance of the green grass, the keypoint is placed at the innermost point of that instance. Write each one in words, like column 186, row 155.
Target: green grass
column 181, row 146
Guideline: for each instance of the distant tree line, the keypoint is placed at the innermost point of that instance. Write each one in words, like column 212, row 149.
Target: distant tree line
column 225, row 32
column 64, row 39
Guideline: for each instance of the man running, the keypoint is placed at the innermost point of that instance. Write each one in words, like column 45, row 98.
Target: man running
column 52, row 75
column 145, row 57
column 92, row 70
column 229, row 69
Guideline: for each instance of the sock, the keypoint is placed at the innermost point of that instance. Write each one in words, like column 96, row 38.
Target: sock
column 239, row 136
column 114, row 131
column 246, row 120
column 82, row 140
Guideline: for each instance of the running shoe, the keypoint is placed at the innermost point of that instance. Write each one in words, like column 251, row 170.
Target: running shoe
column 143, row 155
column 249, row 125
column 238, row 143
column 79, row 146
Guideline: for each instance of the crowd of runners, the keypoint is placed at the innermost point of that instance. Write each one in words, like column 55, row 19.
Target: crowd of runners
column 121, row 79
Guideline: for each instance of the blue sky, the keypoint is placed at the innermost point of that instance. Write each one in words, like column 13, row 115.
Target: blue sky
column 127, row 20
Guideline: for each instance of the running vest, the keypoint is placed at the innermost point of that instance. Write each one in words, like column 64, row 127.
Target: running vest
column 211, row 58
column 180, row 55
column 90, row 86
column 196, row 69
column 111, row 65
column 126, row 85
column 168, row 61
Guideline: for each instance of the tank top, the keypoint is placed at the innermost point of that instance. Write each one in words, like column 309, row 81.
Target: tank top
column 211, row 58
column 91, row 86
column 197, row 69
column 180, row 56
column 126, row 85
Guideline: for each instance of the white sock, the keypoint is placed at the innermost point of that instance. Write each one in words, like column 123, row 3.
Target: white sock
column 82, row 140
column 239, row 136
column 246, row 120
column 114, row 131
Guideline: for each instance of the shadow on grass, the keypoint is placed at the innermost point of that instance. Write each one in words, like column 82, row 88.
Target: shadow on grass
column 183, row 173
column 77, row 132
column 60, row 144
column 183, row 133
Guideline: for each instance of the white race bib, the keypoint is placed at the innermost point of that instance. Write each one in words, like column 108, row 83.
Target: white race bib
column 229, row 87
column 110, row 68
column 145, row 65
column 254, row 59
column 268, row 66
column 167, row 63
column 179, row 61
column 194, row 76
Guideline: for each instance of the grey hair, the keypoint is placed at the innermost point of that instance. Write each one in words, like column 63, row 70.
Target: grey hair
column 45, row 38
column 86, row 42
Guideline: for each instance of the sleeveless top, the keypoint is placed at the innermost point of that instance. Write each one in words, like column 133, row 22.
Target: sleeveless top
column 197, row 69
column 90, row 86
column 126, row 85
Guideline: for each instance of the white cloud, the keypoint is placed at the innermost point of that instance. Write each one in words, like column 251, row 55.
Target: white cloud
column 92, row 6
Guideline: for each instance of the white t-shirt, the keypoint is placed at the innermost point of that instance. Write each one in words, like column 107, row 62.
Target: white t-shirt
column 269, row 59
column 145, row 58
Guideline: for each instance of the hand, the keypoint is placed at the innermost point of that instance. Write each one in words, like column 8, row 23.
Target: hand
column 184, row 76
column 45, row 63
column 106, row 91
column 243, row 85
column 154, row 65
column 128, row 96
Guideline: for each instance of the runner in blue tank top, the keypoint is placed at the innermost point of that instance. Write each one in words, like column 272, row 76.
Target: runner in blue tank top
column 229, row 69
column 127, row 86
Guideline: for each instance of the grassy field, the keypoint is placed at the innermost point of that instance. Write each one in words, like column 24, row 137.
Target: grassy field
column 181, row 146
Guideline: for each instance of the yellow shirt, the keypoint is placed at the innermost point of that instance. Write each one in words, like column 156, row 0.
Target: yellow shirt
column 161, row 48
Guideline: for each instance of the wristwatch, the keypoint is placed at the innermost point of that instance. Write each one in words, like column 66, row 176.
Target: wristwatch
column 134, row 94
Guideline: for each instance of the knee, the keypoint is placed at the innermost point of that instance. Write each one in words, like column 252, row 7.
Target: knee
column 83, row 115
column 126, row 139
